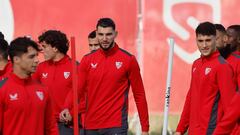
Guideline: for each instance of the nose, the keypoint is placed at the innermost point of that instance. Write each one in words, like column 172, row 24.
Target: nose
column 104, row 37
column 204, row 44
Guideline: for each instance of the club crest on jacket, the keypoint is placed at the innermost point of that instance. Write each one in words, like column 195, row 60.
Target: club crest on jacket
column 207, row 70
column 66, row 74
column 40, row 95
column 118, row 64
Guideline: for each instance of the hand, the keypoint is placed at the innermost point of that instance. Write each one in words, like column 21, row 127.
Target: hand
column 65, row 116
column 145, row 133
column 177, row 133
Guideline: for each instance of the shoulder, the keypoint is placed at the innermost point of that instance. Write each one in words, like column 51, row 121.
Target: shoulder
column 196, row 62
column 91, row 53
column 124, row 52
column 222, row 65
column 3, row 82
column 43, row 64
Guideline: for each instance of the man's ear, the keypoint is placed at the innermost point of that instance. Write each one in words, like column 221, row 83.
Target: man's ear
column 116, row 33
column 16, row 59
column 55, row 49
column 225, row 38
column 238, row 39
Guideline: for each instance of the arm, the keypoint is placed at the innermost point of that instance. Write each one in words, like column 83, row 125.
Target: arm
column 226, row 84
column 68, row 105
column 184, row 120
column 230, row 118
column 139, row 94
column 185, row 116
column 50, row 124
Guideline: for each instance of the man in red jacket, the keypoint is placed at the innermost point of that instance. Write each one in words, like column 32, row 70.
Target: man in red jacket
column 93, row 41
column 233, row 33
column 106, row 75
column 230, row 119
column 25, row 107
column 56, row 72
column 212, row 86
column 5, row 65
column 222, row 41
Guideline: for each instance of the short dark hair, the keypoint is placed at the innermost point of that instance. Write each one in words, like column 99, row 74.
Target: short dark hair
column 206, row 28
column 56, row 39
column 20, row 45
column 4, row 48
column 235, row 28
column 92, row 34
column 220, row 28
column 106, row 22
column 1, row 35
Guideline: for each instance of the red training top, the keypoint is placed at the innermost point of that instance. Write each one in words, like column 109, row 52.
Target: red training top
column 106, row 77
column 212, row 88
column 25, row 108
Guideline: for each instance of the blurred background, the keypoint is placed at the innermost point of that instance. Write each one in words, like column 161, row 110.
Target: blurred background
column 143, row 26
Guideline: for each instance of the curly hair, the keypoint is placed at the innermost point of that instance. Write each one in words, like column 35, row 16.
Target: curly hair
column 56, row 39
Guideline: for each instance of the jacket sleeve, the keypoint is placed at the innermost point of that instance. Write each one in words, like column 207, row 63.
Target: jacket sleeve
column 226, row 84
column 50, row 121
column 184, row 120
column 185, row 116
column 139, row 93
column 81, row 70
column 230, row 118
column 1, row 109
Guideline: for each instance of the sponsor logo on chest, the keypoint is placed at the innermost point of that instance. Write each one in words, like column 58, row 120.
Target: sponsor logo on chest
column 44, row 75
column 194, row 69
column 13, row 97
column 94, row 65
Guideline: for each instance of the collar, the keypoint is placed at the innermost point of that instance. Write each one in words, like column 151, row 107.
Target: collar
column 19, row 80
column 236, row 52
column 211, row 56
column 61, row 61
column 110, row 51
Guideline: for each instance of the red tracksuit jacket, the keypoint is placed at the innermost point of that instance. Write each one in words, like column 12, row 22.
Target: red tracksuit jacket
column 230, row 118
column 234, row 60
column 25, row 108
column 212, row 88
column 107, row 76
column 57, row 76
column 7, row 70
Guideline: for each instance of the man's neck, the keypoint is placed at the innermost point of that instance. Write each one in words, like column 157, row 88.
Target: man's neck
column 19, row 72
column 58, row 57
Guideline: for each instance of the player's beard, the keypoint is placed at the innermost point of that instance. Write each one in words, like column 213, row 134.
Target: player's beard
column 110, row 46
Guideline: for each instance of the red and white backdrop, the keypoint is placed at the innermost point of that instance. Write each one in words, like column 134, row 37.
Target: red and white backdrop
column 161, row 19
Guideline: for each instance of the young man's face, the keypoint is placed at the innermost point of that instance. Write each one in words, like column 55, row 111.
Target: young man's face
column 106, row 37
column 221, row 39
column 28, row 61
column 93, row 44
column 232, row 38
column 206, row 44
column 48, row 51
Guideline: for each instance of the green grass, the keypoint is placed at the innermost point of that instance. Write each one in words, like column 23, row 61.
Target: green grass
column 156, row 124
